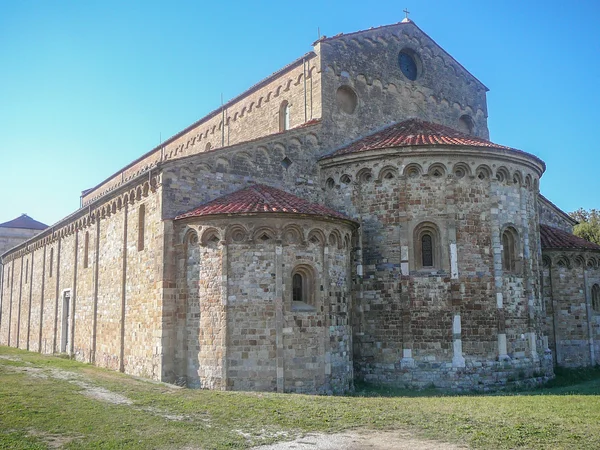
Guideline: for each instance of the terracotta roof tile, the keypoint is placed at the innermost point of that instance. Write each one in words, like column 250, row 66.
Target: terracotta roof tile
column 24, row 221
column 557, row 239
column 259, row 198
column 415, row 132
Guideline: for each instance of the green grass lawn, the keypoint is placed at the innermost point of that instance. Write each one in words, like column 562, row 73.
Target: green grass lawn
column 41, row 407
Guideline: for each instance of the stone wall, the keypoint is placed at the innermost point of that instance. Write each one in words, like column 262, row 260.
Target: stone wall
column 367, row 63
column 241, row 294
column 553, row 216
column 91, row 286
column 285, row 161
column 572, row 323
column 10, row 237
column 449, row 324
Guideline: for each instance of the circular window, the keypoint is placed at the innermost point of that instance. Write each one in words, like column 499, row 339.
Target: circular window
column 346, row 99
column 408, row 64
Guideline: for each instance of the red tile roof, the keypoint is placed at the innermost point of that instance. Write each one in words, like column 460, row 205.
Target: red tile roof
column 259, row 198
column 24, row 221
column 557, row 239
column 415, row 132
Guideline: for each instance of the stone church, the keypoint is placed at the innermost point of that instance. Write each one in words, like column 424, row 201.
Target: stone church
column 346, row 218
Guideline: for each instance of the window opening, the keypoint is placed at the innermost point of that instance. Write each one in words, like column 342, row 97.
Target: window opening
column 509, row 250
column 427, row 250
column 284, row 116
column 297, row 294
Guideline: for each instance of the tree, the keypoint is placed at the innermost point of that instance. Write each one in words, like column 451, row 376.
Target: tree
column 589, row 224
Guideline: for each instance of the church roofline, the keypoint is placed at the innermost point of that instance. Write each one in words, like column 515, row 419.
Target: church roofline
column 24, row 222
column 553, row 238
column 414, row 134
column 210, row 115
column 260, row 199
column 403, row 23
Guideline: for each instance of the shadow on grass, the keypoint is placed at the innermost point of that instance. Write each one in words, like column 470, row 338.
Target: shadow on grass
column 581, row 381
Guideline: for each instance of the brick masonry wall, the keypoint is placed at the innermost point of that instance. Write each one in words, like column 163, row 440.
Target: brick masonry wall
column 404, row 316
column 97, row 323
column 9, row 237
column 571, row 323
column 196, row 180
column 272, row 343
column 552, row 216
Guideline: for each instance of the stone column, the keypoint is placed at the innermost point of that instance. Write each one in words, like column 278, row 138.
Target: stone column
column 279, row 317
column 588, row 313
column 95, row 294
column 123, row 290
column 42, row 300
column 225, row 306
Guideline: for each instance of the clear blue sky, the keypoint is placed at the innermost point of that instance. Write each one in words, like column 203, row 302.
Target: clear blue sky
column 88, row 86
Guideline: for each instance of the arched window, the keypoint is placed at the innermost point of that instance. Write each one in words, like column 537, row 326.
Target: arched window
column 596, row 298
column 284, row 116
column 427, row 252
column 510, row 250
column 297, row 288
column 303, row 287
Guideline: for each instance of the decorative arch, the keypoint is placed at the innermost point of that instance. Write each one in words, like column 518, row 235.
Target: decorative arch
column 502, row 174
column 335, row 239
column 465, row 124
column 387, row 173
column 236, row 234
column 190, row 237
column 517, row 178
column 437, row 170
column 461, row 170
column 345, row 179
column 364, row 175
column 264, row 235
column 563, row 261
column 412, row 170
column 483, row 172
column 292, row 234
column 316, row 236
column 210, row 237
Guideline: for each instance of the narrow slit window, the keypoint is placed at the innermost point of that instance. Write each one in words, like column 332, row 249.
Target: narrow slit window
column 51, row 262
column 510, row 250
column 297, row 282
column 141, row 226
column 427, row 250
column 86, row 243
column 284, row 116
column 26, row 271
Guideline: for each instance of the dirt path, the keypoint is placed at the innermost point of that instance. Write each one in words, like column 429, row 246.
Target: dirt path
column 361, row 440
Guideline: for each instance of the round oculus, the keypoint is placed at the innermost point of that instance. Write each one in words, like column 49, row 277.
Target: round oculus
column 408, row 65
